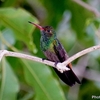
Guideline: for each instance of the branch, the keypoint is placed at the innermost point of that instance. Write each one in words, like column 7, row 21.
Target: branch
column 81, row 53
column 60, row 66
column 88, row 7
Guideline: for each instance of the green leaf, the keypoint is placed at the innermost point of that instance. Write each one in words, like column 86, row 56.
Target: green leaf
column 17, row 19
column 42, row 81
column 9, row 84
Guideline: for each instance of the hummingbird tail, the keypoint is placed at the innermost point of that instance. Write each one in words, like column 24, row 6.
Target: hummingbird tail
column 68, row 77
column 71, row 78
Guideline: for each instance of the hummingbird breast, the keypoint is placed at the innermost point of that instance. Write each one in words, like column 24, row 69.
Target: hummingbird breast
column 46, row 43
column 53, row 50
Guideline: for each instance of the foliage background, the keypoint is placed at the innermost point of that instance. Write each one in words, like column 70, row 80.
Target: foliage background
column 77, row 29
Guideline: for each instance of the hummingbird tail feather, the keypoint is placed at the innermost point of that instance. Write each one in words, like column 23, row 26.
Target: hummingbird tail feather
column 68, row 77
column 71, row 78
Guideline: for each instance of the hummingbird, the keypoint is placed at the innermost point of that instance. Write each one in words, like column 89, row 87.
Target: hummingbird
column 54, row 51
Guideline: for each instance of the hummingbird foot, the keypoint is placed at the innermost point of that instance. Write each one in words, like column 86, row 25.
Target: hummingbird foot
column 60, row 67
column 44, row 59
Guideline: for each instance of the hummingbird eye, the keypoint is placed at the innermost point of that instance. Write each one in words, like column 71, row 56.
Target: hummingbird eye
column 48, row 31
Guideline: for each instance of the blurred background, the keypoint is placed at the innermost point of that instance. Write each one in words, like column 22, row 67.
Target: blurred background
column 76, row 27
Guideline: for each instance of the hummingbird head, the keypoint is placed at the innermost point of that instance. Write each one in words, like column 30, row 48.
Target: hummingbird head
column 47, row 31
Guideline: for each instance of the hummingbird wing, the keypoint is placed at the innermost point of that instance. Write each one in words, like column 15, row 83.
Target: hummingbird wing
column 60, row 51
column 68, row 76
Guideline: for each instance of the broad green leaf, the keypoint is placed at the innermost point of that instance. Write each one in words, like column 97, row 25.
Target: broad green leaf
column 17, row 19
column 42, row 81
column 9, row 83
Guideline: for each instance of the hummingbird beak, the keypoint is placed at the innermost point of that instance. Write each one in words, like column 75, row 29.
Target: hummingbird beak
column 38, row 26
